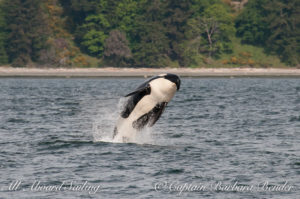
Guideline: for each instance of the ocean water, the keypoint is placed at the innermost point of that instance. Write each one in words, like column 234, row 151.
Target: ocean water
column 218, row 138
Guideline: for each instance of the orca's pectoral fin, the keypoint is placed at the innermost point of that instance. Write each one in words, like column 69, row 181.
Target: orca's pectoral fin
column 144, row 89
column 156, row 112
column 151, row 117
column 141, row 122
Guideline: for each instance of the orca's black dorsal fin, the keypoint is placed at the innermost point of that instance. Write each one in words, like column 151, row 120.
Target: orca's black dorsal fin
column 143, row 89
column 136, row 96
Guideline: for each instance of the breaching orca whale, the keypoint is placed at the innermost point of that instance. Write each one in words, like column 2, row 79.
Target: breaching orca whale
column 145, row 105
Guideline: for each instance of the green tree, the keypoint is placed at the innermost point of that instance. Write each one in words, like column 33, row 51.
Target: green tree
column 284, row 27
column 27, row 30
column 274, row 24
column 77, row 11
column 94, row 34
column 125, row 12
column 92, row 24
column 150, row 46
column 195, row 42
column 208, row 33
column 250, row 24
column 218, row 28
column 177, row 13
column 3, row 35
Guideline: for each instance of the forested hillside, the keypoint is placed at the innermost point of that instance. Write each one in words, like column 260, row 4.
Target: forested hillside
column 149, row 33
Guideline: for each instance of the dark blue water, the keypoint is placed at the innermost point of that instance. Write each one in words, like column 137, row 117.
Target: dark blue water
column 216, row 136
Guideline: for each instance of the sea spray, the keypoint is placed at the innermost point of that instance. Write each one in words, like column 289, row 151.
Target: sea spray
column 105, row 121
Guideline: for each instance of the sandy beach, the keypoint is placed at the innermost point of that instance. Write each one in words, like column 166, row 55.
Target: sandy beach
column 146, row 72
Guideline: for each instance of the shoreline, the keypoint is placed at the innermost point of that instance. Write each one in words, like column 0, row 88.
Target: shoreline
column 147, row 72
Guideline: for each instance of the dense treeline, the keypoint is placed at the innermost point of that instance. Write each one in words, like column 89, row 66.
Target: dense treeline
column 274, row 24
column 148, row 33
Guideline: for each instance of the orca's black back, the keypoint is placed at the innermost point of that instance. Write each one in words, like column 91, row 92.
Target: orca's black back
column 132, row 101
column 144, row 89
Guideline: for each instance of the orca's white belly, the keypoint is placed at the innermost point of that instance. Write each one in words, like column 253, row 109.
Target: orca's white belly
column 125, row 125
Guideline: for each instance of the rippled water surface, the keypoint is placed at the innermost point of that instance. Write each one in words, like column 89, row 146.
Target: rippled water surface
column 216, row 132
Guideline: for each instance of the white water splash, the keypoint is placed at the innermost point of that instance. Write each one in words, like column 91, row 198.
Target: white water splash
column 106, row 120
